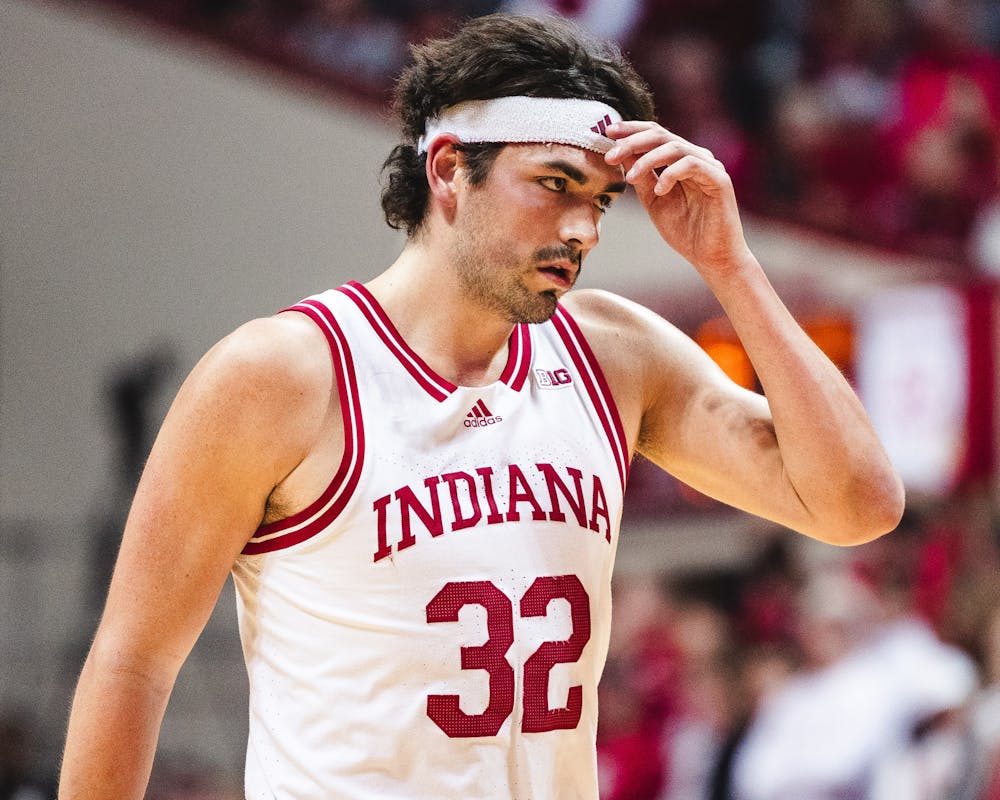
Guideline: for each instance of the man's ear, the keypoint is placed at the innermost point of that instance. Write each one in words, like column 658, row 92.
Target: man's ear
column 442, row 169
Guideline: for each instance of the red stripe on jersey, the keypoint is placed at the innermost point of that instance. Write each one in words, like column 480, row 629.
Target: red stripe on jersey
column 514, row 374
column 436, row 386
column 518, row 358
column 596, row 386
column 321, row 512
column 522, row 377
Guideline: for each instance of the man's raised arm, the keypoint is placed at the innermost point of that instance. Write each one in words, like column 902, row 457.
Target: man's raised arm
column 807, row 455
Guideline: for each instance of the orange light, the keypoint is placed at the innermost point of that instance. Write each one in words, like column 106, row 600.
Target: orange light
column 833, row 334
column 717, row 338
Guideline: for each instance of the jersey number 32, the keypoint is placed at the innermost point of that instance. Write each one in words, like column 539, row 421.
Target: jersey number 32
column 491, row 656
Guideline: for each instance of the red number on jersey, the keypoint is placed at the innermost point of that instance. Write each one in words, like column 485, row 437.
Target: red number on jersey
column 535, row 603
column 444, row 709
column 491, row 656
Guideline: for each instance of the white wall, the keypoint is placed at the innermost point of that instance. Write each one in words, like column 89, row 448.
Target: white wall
column 151, row 194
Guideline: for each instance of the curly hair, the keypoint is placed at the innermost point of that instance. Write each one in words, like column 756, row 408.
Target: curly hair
column 498, row 55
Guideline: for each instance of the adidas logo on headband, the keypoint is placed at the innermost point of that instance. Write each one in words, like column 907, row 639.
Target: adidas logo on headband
column 602, row 125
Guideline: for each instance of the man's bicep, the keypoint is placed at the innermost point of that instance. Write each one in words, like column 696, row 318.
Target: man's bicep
column 716, row 436
column 687, row 416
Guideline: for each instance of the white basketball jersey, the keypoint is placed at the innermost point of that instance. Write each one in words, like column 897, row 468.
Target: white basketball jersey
column 435, row 624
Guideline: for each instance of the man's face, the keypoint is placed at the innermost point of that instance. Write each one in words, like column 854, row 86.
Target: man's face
column 523, row 233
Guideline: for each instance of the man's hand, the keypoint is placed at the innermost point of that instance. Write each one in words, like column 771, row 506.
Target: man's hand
column 687, row 193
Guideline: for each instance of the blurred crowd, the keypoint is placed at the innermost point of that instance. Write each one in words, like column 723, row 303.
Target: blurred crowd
column 864, row 674
column 874, row 120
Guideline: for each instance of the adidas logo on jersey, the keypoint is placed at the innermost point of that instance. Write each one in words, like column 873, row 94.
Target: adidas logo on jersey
column 481, row 416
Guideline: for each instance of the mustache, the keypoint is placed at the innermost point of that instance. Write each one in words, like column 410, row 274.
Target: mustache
column 560, row 253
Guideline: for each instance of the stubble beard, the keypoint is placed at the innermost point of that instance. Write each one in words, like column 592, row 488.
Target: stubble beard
column 495, row 282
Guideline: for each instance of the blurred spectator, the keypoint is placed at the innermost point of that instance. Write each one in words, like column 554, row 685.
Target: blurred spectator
column 870, row 686
column 347, row 38
column 628, row 762
column 608, row 19
column 767, row 613
column 686, row 71
column 734, row 26
column 762, row 670
column 822, row 163
column 636, row 689
column 945, row 140
column 982, row 781
column 793, row 181
column 705, row 703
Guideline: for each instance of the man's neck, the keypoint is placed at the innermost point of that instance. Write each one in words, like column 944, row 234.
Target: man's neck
column 459, row 339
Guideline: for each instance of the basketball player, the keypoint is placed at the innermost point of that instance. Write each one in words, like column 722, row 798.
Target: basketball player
column 417, row 481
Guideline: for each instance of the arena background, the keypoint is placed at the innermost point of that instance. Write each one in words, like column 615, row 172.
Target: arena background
column 159, row 188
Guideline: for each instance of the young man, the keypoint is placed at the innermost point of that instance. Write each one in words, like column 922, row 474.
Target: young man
column 422, row 535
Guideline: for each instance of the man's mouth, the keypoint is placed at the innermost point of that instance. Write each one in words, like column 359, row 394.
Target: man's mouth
column 561, row 275
column 561, row 265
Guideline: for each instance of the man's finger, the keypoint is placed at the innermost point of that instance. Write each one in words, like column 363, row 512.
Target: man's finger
column 665, row 155
column 689, row 168
column 645, row 138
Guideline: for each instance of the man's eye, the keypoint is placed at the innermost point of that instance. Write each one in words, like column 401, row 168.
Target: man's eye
column 603, row 201
column 553, row 183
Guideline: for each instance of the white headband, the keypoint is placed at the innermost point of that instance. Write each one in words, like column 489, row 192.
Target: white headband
column 525, row 119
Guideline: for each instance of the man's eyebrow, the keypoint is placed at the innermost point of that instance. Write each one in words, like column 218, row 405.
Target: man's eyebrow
column 576, row 174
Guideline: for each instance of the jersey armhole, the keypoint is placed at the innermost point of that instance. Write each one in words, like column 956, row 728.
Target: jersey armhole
column 318, row 515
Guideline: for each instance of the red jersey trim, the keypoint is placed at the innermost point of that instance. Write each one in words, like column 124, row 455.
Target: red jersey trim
column 518, row 358
column 515, row 371
column 318, row 515
column 597, row 388
column 436, row 386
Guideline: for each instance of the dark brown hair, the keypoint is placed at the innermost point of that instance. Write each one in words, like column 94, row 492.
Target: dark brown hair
column 499, row 55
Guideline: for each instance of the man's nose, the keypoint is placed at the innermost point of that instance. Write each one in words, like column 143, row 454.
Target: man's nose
column 581, row 226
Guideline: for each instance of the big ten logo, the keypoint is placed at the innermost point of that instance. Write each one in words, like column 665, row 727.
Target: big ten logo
column 553, row 378
column 832, row 332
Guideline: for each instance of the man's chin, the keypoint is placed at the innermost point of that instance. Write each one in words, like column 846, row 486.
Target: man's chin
column 541, row 310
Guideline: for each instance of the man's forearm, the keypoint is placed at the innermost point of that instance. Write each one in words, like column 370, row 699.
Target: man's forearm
column 829, row 449
column 113, row 729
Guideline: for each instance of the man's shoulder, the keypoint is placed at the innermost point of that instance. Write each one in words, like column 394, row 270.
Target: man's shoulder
column 599, row 306
column 632, row 343
column 288, row 343
column 609, row 318
column 283, row 360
